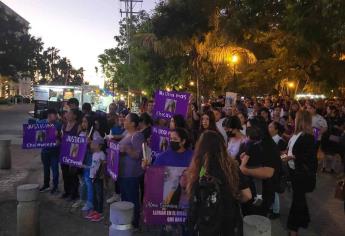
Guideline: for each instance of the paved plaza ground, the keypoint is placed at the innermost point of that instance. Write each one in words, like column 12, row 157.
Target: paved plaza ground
column 58, row 218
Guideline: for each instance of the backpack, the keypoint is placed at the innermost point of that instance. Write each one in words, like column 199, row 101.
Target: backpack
column 206, row 210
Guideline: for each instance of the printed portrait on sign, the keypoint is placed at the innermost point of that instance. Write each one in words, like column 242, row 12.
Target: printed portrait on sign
column 175, row 183
column 112, row 158
column 163, row 144
column 73, row 152
column 170, row 105
column 40, row 136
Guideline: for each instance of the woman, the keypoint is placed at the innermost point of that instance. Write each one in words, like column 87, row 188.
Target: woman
column 276, row 130
column 211, row 160
column 243, row 118
column 145, row 125
column 233, row 127
column 302, row 163
column 178, row 154
column 208, row 122
column 130, row 169
column 70, row 174
column 260, row 162
column 177, row 121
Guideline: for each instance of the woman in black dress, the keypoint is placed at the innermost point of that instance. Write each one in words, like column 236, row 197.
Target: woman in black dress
column 302, row 164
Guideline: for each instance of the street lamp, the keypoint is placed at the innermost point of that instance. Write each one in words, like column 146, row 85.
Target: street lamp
column 291, row 85
column 234, row 59
column 191, row 83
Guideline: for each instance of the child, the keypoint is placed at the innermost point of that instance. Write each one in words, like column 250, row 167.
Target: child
column 97, row 176
column 86, row 189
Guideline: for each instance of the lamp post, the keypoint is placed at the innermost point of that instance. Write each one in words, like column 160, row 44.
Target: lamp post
column 234, row 61
column 291, row 85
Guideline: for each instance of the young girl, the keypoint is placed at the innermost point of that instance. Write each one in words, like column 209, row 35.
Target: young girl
column 97, row 176
column 86, row 191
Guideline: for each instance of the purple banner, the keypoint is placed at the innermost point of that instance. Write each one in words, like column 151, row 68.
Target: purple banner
column 159, row 140
column 39, row 136
column 113, row 157
column 165, row 199
column 73, row 150
column 168, row 104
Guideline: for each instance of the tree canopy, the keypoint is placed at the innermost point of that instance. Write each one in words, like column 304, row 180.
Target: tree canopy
column 275, row 41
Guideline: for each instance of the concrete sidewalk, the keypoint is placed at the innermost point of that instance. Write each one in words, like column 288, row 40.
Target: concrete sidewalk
column 59, row 219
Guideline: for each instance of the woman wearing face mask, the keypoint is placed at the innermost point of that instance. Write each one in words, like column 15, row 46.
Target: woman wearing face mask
column 178, row 154
column 232, row 126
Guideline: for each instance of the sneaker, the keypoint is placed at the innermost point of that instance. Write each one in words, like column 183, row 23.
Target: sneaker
column 78, row 203
column 44, row 189
column 86, row 207
column 97, row 217
column 114, row 198
column 90, row 215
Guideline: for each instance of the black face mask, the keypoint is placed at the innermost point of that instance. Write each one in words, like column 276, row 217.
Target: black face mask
column 175, row 146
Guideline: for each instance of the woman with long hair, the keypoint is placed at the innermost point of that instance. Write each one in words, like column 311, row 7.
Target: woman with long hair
column 211, row 159
column 208, row 122
column 302, row 164
column 236, row 139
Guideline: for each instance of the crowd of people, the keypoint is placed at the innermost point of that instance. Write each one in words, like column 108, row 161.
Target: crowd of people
column 247, row 153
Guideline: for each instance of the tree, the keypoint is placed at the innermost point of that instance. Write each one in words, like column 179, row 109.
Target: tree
column 19, row 51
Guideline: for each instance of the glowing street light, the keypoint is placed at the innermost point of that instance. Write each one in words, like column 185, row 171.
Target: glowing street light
column 191, row 83
column 291, row 84
column 180, row 87
column 143, row 92
column 234, row 59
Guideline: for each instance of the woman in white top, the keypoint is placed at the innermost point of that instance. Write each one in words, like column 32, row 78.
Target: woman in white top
column 233, row 127
column 302, row 164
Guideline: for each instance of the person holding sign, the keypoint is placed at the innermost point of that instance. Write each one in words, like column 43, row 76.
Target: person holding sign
column 130, row 164
column 50, row 156
column 69, row 174
column 179, row 155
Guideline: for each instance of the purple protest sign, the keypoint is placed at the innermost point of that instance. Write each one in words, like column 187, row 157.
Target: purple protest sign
column 159, row 140
column 166, row 199
column 73, row 150
column 113, row 157
column 39, row 136
column 168, row 104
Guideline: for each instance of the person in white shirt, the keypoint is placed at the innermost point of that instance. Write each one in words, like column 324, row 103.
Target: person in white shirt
column 319, row 123
column 219, row 122
column 233, row 127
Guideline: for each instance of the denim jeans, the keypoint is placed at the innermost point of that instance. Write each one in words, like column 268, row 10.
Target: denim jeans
column 50, row 160
column 276, row 204
column 89, row 187
column 129, row 187
column 98, row 195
